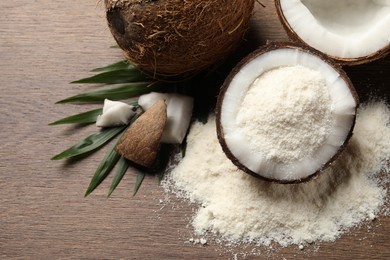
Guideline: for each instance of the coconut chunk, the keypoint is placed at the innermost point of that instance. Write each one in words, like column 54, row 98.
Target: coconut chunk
column 179, row 112
column 141, row 141
column 148, row 100
column 115, row 113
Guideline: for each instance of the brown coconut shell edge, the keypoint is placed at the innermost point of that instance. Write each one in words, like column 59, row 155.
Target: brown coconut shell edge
column 270, row 47
column 342, row 61
column 141, row 142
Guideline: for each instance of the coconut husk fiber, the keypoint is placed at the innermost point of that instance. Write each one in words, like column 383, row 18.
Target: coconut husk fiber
column 175, row 37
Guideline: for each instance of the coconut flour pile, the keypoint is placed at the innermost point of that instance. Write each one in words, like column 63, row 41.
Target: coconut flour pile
column 275, row 107
column 239, row 208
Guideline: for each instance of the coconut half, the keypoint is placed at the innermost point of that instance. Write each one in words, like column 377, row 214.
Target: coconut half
column 350, row 31
column 295, row 133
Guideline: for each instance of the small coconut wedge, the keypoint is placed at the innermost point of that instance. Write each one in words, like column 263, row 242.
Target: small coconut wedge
column 351, row 32
column 141, row 141
column 285, row 112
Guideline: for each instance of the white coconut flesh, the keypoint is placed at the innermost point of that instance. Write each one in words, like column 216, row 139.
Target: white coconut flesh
column 348, row 29
column 342, row 108
column 115, row 113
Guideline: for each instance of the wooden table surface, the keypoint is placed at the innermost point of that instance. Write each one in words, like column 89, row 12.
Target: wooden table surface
column 45, row 44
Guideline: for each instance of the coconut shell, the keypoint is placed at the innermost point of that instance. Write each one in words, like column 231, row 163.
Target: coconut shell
column 176, row 37
column 141, row 141
column 270, row 47
column 340, row 60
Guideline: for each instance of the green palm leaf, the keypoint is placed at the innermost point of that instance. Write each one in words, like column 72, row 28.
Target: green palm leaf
column 104, row 168
column 90, row 143
column 88, row 117
column 114, row 77
column 107, row 164
column 123, row 165
column 140, row 178
column 114, row 93
column 121, row 65
column 131, row 83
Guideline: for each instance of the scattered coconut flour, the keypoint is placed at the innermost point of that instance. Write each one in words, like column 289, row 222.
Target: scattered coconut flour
column 285, row 109
column 238, row 208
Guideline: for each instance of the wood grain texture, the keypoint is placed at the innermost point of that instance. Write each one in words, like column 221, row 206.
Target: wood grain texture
column 43, row 213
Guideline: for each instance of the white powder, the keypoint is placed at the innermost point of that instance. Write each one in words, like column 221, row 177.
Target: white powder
column 286, row 113
column 239, row 208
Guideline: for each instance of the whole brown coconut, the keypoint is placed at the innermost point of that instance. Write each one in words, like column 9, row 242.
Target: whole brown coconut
column 177, row 37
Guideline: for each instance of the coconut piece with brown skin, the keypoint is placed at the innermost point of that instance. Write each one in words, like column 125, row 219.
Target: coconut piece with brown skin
column 141, row 141
column 176, row 37
column 306, row 113
column 179, row 112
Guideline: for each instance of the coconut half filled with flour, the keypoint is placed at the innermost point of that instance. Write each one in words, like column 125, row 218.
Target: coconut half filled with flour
column 285, row 112
column 349, row 31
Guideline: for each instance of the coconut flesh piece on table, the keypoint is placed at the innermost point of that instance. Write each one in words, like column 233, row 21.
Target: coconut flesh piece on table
column 349, row 31
column 285, row 112
column 115, row 113
column 179, row 112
